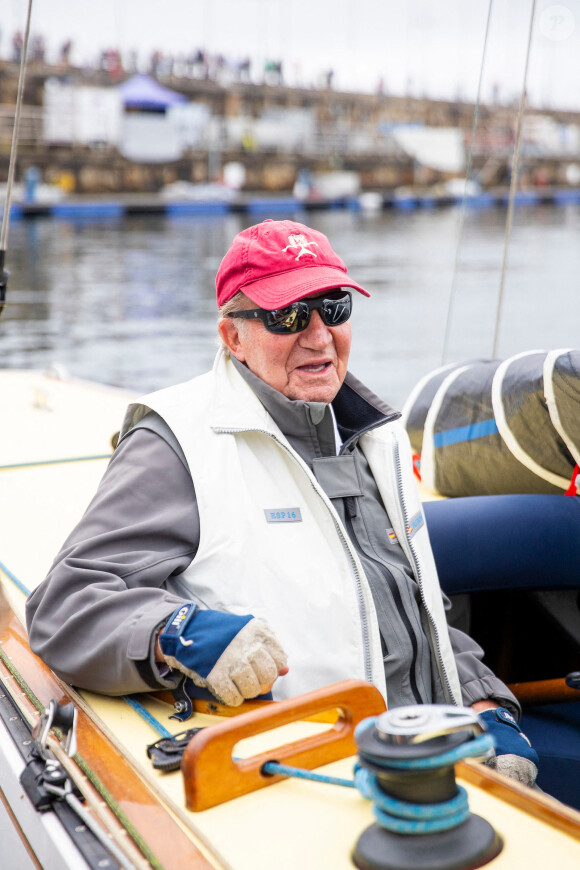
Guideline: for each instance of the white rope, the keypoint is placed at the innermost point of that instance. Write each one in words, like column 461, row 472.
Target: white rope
column 14, row 147
column 513, row 186
column 464, row 199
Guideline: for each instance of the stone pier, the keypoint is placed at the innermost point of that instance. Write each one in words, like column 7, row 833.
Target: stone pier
column 341, row 120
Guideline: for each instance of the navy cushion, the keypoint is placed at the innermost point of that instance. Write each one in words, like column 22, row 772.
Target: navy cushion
column 554, row 732
column 502, row 542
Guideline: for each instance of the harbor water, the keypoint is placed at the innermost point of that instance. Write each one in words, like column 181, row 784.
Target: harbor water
column 130, row 301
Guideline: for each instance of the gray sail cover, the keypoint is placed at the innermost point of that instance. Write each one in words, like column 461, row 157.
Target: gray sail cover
column 490, row 426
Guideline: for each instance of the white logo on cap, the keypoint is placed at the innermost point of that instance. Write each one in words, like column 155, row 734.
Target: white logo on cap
column 299, row 241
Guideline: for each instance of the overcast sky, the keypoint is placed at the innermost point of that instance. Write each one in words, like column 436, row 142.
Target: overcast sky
column 422, row 47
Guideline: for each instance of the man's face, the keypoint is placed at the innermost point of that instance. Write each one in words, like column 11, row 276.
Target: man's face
column 308, row 365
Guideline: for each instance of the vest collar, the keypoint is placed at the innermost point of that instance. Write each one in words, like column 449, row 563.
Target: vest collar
column 234, row 402
column 357, row 409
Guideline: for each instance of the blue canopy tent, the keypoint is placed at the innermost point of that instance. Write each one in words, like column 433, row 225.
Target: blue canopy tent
column 143, row 93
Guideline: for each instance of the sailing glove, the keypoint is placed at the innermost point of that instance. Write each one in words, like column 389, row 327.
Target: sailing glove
column 235, row 657
column 514, row 755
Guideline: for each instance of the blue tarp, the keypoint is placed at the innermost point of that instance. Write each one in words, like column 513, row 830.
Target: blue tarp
column 143, row 92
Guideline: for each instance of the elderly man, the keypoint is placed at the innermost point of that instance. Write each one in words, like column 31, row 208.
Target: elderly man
column 258, row 527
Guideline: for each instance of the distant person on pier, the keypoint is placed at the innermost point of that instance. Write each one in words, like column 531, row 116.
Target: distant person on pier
column 65, row 51
column 244, row 70
column 37, row 48
column 273, row 72
column 259, row 529
column 155, row 62
column 17, row 46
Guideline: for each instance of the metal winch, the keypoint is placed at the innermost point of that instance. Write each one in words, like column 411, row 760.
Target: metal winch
column 406, row 767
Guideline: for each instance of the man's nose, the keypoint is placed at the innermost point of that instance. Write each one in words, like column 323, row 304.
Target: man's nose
column 317, row 334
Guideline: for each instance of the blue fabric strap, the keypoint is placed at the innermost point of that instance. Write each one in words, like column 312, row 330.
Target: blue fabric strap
column 197, row 638
column 507, row 735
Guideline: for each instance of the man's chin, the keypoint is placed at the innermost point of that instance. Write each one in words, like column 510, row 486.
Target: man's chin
column 321, row 392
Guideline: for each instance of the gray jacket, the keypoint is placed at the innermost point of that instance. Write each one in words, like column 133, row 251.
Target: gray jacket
column 94, row 618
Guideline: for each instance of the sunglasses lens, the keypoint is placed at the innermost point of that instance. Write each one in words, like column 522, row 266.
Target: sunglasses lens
column 293, row 318
column 336, row 311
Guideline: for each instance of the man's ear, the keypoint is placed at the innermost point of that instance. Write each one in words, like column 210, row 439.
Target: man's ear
column 230, row 336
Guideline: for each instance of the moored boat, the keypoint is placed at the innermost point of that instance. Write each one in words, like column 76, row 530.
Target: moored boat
column 53, row 453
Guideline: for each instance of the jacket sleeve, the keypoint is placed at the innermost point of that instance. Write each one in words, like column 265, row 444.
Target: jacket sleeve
column 477, row 681
column 95, row 616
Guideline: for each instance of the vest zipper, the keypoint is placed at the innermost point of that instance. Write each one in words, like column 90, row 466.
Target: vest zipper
column 368, row 670
column 418, row 573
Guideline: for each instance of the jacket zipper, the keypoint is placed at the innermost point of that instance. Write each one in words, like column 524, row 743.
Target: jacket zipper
column 402, row 613
column 368, row 670
column 418, row 573
column 389, row 419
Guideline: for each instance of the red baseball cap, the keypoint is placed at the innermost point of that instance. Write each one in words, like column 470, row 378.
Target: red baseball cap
column 277, row 262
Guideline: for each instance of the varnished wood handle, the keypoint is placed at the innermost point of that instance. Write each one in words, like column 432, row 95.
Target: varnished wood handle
column 543, row 692
column 212, row 776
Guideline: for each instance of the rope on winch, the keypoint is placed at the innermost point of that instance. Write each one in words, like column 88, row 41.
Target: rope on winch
column 513, row 185
column 464, row 198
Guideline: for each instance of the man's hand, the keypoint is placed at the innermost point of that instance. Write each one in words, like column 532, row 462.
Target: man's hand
column 235, row 657
column 514, row 755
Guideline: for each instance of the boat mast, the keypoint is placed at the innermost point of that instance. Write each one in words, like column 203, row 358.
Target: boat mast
column 513, row 185
column 511, row 197
column 12, row 164
column 465, row 191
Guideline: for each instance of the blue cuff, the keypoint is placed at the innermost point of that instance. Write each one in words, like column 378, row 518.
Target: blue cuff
column 179, row 620
column 197, row 638
column 508, row 737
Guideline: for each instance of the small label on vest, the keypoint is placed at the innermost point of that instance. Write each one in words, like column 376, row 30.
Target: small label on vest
column 283, row 515
column 415, row 524
column 391, row 537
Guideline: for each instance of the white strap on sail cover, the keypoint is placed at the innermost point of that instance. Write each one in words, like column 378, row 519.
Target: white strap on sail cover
column 507, row 435
column 418, row 389
column 549, row 395
column 428, row 451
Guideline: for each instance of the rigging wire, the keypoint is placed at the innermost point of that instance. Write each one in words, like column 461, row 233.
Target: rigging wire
column 513, row 185
column 12, row 163
column 464, row 199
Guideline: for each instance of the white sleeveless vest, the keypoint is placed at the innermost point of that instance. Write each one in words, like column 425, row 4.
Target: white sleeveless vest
column 271, row 543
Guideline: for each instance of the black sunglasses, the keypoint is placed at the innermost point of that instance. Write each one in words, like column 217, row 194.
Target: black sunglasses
column 334, row 308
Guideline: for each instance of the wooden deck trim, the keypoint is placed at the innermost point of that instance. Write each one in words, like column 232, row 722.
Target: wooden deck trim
column 535, row 803
column 151, row 820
